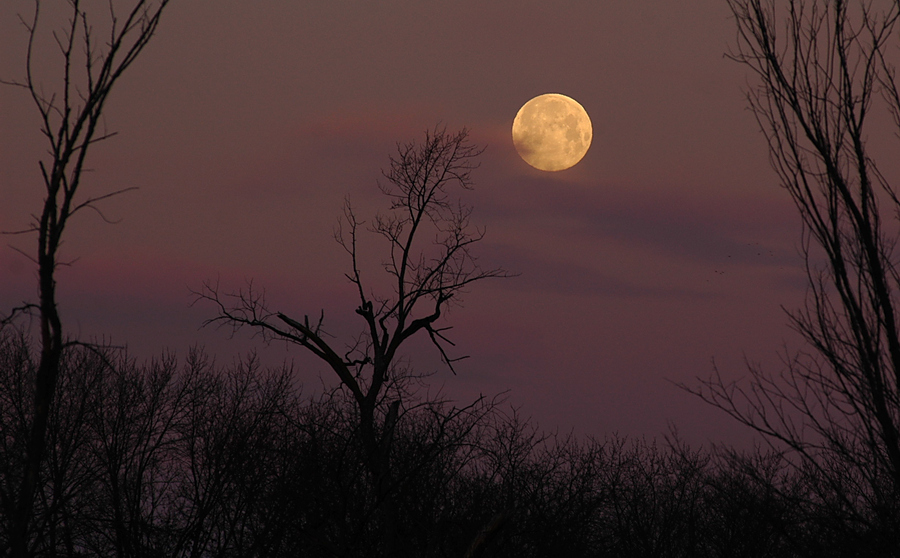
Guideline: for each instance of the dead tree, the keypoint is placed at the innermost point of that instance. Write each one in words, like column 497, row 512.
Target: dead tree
column 822, row 75
column 430, row 264
column 71, row 120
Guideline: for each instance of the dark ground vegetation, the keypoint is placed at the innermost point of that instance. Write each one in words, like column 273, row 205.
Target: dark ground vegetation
column 183, row 457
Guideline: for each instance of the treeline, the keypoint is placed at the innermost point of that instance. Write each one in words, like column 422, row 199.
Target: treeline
column 187, row 458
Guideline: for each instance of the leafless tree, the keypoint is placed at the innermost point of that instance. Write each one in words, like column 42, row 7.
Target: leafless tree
column 430, row 264
column 823, row 75
column 228, row 443
column 160, row 459
column 188, row 459
column 68, row 471
column 71, row 120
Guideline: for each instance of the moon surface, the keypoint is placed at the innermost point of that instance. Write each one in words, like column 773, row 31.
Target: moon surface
column 552, row 132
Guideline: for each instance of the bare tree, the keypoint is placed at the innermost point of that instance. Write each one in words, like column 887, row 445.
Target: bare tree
column 822, row 66
column 430, row 265
column 71, row 120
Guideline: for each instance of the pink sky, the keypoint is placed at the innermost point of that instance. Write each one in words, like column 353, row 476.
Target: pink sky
column 245, row 124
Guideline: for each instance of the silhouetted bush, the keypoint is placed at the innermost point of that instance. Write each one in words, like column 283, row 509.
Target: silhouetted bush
column 188, row 458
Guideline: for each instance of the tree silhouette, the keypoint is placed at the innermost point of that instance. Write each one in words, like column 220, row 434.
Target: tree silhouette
column 821, row 68
column 71, row 120
column 100, row 456
column 430, row 264
column 184, row 458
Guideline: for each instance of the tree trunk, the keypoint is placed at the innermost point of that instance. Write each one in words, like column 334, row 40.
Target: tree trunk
column 45, row 388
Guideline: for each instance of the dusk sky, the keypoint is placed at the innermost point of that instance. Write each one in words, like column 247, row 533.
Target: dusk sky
column 245, row 125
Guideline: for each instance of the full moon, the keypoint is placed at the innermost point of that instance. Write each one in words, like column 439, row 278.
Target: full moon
column 552, row 132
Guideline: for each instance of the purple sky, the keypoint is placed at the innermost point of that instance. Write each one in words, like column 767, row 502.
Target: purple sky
column 245, row 124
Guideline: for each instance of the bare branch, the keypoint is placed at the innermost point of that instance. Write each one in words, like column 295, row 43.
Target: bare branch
column 70, row 117
column 819, row 65
column 430, row 265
